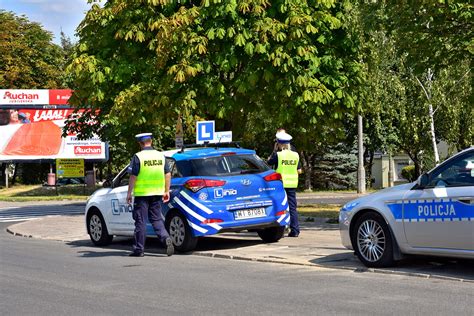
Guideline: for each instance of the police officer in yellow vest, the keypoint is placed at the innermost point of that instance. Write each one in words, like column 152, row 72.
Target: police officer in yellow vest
column 288, row 164
column 150, row 185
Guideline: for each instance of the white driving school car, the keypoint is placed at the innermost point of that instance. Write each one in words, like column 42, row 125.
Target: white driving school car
column 433, row 216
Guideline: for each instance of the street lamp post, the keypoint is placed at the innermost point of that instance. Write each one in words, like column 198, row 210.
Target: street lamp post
column 360, row 168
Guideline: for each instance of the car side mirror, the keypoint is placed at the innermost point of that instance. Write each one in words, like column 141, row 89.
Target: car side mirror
column 423, row 180
column 107, row 184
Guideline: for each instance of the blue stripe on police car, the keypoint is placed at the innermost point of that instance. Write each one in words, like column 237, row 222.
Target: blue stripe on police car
column 431, row 210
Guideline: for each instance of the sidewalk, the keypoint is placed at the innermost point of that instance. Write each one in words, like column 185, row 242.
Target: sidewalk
column 318, row 245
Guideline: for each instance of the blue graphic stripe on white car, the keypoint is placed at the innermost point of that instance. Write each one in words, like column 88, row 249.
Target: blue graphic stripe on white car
column 194, row 214
column 196, row 203
column 281, row 218
column 188, row 210
column 196, row 227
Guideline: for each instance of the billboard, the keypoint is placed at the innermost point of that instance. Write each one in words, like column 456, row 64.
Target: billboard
column 30, row 131
column 34, row 97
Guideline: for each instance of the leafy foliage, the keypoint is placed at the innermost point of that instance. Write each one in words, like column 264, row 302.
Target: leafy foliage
column 143, row 63
column 400, row 42
column 28, row 58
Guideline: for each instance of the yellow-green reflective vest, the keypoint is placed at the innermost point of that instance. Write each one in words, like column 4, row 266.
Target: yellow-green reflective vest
column 288, row 168
column 151, row 178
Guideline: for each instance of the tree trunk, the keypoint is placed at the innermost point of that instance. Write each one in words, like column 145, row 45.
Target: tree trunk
column 2, row 171
column 306, row 160
column 431, row 112
column 433, row 135
column 368, row 166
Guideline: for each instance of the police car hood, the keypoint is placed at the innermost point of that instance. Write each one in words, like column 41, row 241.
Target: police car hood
column 99, row 192
column 396, row 192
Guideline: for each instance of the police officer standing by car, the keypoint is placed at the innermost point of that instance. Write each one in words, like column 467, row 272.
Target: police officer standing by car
column 150, row 184
column 275, row 145
column 288, row 164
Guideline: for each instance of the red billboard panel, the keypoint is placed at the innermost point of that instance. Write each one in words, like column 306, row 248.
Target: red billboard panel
column 34, row 96
column 33, row 134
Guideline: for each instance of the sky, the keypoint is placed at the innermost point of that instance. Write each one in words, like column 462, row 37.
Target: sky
column 53, row 15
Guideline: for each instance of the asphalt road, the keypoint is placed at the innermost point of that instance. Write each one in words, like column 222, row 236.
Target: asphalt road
column 18, row 212
column 52, row 278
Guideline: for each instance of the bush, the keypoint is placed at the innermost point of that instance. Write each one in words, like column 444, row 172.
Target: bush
column 408, row 173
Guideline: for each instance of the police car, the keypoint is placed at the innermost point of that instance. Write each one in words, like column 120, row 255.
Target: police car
column 213, row 190
column 433, row 216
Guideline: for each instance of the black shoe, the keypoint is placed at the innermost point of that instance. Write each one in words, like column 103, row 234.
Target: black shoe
column 293, row 234
column 136, row 254
column 169, row 247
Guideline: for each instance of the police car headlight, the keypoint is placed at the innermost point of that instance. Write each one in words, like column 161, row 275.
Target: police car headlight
column 349, row 206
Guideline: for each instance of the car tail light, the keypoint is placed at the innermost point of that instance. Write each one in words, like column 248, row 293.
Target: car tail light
column 228, row 154
column 197, row 184
column 212, row 220
column 281, row 213
column 273, row 177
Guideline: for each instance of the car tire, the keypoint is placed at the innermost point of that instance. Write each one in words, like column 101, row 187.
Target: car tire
column 372, row 241
column 180, row 232
column 272, row 234
column 97, row 229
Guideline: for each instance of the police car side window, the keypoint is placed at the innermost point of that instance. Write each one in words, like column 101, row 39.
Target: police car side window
column 124, row 179
column 459, row 172
column 174, row 170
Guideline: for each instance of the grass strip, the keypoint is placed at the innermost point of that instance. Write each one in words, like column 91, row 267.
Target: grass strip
column 24, row 193
column 330, row 211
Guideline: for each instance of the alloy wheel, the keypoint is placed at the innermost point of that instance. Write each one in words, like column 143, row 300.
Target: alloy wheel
column 177, row 230
column 95, row 227
column 371, row 240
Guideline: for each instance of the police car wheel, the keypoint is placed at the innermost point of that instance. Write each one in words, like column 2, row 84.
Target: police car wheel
column 97, row 229
column 180, row 232
column 373, row 241
column 272, row 234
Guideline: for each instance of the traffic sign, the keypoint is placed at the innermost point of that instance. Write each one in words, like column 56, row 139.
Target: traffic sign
column 204, row 131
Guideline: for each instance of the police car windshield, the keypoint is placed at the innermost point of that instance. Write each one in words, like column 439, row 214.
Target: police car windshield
column 222, row 166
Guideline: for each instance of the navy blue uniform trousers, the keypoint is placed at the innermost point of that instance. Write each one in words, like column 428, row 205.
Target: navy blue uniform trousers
column 294, row 223
column 147, row 207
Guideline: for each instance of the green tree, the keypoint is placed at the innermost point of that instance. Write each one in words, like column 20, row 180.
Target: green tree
column 143, row 63
column 28, row 58
column 401, row 42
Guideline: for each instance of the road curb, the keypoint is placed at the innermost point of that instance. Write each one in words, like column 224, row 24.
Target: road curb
column 19, row 234
column 241, row 258
column 358, row 270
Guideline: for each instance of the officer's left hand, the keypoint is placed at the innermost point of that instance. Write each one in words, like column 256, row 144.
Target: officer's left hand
column 166, row 197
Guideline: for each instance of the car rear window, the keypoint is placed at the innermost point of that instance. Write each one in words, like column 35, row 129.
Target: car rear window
column 222, row 166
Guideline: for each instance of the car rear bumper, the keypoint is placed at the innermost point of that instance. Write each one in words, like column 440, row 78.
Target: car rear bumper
column 249, row 227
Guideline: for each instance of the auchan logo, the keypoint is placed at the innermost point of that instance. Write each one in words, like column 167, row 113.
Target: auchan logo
column 87, row 150
column 22, row 96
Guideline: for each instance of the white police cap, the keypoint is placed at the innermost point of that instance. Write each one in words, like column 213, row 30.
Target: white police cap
column 143, row 136
column 283, row 137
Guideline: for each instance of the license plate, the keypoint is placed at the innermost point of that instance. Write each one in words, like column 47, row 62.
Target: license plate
column 250, row 213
